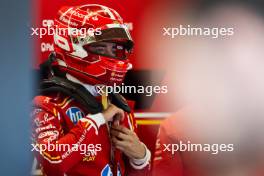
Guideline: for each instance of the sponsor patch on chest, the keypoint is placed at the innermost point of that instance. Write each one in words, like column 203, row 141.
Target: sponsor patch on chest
column 75, row 114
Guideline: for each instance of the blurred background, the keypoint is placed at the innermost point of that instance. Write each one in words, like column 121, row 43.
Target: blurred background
column 15, row 88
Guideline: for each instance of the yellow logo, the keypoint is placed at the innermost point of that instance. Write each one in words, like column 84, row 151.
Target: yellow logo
column 89, row 158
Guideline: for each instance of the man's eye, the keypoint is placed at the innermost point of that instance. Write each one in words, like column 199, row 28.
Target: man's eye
column 120, row 47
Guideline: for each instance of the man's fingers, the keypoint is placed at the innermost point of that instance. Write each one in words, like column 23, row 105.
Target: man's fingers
column 119, row 143
column 120, row 135
column 118, row 117
column 122, row 129
column 118, row 113
column 113, row 113
column 116, row 122
column 122, row 146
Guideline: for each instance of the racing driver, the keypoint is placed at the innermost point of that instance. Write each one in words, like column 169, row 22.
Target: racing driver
column 78, row 131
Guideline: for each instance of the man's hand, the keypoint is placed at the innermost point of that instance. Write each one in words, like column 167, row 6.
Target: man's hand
column 113, row 113
column 128, row 142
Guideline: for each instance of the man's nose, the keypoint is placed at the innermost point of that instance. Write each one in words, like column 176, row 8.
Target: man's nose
column 110, row 51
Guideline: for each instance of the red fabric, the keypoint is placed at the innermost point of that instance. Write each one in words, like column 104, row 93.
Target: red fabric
column 51, row 122
column 181, row 163
column 164, row 162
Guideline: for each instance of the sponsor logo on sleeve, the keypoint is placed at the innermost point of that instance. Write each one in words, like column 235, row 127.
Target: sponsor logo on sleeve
column 75, row 114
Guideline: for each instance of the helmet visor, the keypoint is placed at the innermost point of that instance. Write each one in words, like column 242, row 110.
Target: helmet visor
column 109, row 49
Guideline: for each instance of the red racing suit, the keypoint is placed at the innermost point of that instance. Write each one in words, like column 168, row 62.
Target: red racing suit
column 164, row 162
column 82, row 143
column 172, row 131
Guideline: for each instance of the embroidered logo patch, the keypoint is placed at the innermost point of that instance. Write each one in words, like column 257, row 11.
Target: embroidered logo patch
column 75, row 114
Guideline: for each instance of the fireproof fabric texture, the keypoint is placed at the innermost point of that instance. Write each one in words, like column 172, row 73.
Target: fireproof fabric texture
column 58, row 119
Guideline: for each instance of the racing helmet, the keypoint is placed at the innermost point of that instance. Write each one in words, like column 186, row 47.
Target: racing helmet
column 79, row 29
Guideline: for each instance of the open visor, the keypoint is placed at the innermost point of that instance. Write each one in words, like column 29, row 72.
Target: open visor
column 110, row 49
column 117, row 35
column 120, row 35
column 119, row 39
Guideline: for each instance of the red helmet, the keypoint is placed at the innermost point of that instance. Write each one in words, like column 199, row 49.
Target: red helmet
column 80, row 28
